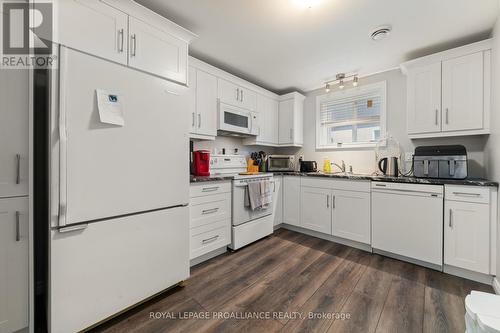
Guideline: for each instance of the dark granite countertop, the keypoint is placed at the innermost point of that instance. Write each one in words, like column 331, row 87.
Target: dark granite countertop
column 413, row 180
column 215, row 178
column 378, row 178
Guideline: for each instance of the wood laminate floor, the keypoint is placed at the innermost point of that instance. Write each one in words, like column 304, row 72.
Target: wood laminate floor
column 292, row 282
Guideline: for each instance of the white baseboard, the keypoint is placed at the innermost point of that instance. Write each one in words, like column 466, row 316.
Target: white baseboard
column 357, row 245
column 470, row 275
column 496, row 285
column 207, row 256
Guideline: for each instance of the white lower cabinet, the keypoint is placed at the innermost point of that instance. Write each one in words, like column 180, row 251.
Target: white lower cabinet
column 291, row 200
column 351, row 215
column 336, row 207
column 316, row 209
column 278, row 200
column 209, row 217
column 467, row 232
column 14, row 264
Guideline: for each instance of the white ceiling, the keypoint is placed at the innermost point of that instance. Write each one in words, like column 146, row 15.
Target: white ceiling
column 280, row 45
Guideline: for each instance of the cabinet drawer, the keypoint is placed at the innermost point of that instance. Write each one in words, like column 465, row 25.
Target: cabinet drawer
column 337, row 184
column 467, row 193
column 209, row 188
column 203, row 243
column 209, row 209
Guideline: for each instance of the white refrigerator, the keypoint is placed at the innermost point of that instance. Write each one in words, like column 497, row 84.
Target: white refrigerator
column 119, row 194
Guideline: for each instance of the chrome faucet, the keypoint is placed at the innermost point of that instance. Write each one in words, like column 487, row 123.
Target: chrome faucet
column 341, row 167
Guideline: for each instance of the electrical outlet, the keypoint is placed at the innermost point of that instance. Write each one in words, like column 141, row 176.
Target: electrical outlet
column 408, row 157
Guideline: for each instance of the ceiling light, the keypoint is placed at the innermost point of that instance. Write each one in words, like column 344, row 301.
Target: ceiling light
column 340, row 77
column 307, row 3
column 355, row 81
column 327, row 87
column 381, row 32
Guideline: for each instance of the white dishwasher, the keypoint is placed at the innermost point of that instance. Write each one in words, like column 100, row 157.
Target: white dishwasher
column 407, row 221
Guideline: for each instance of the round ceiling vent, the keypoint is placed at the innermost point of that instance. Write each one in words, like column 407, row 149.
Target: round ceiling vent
column 381, row 32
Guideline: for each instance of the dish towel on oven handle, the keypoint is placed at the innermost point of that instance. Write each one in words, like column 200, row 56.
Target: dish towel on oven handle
column 254, row 196
column 258, row 195
column 266, row 193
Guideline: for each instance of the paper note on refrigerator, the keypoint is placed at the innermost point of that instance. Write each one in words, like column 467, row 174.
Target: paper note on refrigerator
column 110, row 108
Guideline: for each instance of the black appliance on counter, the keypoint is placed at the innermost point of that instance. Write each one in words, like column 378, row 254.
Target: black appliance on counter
column 445, row 162
column 308, row 166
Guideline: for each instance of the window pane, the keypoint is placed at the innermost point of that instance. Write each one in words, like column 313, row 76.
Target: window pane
column 368, row 132
column 351, row 117
column 341, row 134
column 369, row 107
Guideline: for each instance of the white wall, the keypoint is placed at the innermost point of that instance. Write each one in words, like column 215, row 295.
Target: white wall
column 229, row 144
column 363, row 160
column 493, row 144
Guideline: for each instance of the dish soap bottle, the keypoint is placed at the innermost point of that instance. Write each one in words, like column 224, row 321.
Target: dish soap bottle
column 326, row 165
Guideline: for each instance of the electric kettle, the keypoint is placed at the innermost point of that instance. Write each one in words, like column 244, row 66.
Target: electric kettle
column 389, row 166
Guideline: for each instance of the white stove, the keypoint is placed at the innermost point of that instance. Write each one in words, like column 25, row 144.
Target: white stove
column 248, row 225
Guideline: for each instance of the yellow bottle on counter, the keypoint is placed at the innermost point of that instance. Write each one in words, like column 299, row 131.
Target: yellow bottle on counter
column 326, row 165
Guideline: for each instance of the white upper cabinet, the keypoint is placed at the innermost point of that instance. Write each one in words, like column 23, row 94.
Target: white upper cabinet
column 267, row 109
column 424, row 99
column 448, row 93
column 463, row 93
column 206, row 103
column 233, row 94
column 14, row 122
column 202, row 97
column 125, row 32
column 156, row 51
column 291, row 117
column 93, row 27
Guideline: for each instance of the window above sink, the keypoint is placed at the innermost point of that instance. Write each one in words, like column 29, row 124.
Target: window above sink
column 352, row 118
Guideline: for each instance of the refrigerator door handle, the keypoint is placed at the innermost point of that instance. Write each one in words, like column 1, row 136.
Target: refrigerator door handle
column 63, row 139
column 77, row 227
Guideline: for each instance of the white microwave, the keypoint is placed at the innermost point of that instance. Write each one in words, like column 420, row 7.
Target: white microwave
column 234, row 120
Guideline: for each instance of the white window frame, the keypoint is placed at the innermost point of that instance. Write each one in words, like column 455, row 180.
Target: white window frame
column 346, row 93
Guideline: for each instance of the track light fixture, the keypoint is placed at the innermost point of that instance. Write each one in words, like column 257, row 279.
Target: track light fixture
column 340, row 80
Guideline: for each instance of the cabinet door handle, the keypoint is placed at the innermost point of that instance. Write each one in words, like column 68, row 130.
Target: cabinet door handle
column 437, row 115
column 464, row 194
column 209, row 211
column 18, row 169
column 210, row 189
column 237, row 94
column 193, row 119
column 18, row 227
column 333, row 201
column 291, row 134
column 447, row 118
column 199, row 120
column 241, row 95
column 209, row 240
column 133, row 40
column 328, row 201
column 120, row 40
column 450, row 223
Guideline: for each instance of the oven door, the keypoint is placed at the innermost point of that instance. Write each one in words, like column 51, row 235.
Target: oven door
column 242, row 214
column 234, row 119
